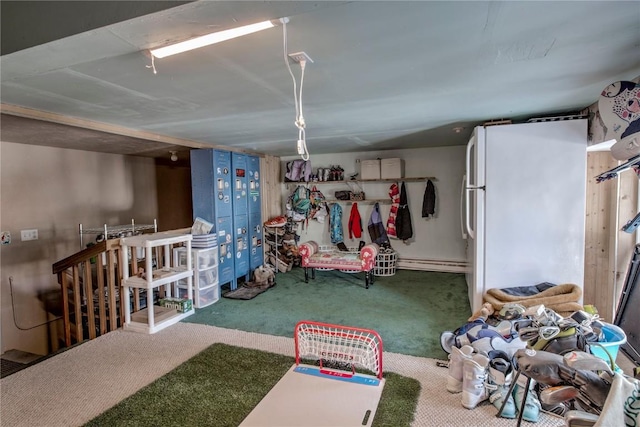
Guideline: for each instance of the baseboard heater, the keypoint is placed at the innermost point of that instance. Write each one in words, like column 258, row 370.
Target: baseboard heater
column 433, row 265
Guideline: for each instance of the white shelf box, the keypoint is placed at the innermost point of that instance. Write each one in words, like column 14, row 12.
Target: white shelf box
column 370, row 169
column 391, row 168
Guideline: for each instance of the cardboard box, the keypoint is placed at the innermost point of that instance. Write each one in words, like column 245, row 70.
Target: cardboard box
column 181, row 304
column 370, row 169
column 391, row 168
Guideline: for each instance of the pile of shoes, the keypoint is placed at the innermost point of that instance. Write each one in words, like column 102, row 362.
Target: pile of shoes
column 334, row 173
column 282, row 247
column 480, row 367
column 482, row 352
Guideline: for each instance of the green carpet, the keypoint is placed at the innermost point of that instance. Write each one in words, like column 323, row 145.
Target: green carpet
column 222, row 384
column 409, row 310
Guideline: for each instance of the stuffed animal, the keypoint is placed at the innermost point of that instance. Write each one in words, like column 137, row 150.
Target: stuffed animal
column 485, row 311
column 264, row 276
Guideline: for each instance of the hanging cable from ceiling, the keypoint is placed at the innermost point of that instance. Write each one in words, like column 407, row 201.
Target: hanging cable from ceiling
column 302, row 58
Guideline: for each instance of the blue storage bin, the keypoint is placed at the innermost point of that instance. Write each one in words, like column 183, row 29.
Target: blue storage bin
column 614, row 338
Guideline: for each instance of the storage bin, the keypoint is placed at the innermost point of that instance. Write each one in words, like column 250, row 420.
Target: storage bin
column 202, row 297
column 207, row 277
column 614, row 338
column 386, row 264
column 208, row 296
column 370, row 169
column 391, row 168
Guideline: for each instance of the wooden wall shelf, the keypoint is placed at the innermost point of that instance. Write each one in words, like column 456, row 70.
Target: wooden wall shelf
column 346, row 181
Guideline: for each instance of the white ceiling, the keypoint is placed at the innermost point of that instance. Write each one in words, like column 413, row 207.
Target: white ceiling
column 385, row 74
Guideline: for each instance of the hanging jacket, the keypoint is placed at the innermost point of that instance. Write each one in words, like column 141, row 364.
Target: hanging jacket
column 355, row 223
column 429, row 200
column 376, row 227
column 335, row 224
column 394, row 193
column 404, row 229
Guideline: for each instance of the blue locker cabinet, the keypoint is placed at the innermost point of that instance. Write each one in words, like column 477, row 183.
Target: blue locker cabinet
column 241, row 246
column 211, row 197
column 240, row 190
column 256, row 248
column 226, row 191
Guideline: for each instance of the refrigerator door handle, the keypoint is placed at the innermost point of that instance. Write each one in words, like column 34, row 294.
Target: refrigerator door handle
column 470, row 146
column 467, row 196
column 463, row 207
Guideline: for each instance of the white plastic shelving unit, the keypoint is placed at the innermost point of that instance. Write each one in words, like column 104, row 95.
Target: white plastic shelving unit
column 153, row 320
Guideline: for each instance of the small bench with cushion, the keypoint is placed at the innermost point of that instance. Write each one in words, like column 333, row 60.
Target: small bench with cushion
column 334, row 259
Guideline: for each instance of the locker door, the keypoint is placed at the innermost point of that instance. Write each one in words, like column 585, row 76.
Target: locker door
column 241, row 245
column 202, row 190
column 222, row 183
column 239, row 183
column 253, row 182
column 226, row 251
column 256, row 254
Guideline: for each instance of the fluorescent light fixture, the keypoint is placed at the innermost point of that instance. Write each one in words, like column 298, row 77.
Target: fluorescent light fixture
column 212, row 38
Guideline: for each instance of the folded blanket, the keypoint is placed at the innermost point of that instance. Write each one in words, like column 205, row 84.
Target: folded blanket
column 563, row 299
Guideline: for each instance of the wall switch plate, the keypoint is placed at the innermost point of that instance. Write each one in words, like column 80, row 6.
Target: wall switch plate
column 29, row 235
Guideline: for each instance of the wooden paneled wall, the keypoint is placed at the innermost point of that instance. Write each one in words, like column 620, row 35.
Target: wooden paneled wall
column 271, row 193
column 610, row 204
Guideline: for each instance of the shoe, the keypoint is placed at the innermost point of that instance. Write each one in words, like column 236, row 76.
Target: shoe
column 457, row 338
column 499, row 376
column 486, row 344
column 474, row 375
column 531, row 409
column 559, row 409
column 342, row 247
column 361, row 245
column 278, row 221
column 456, row 359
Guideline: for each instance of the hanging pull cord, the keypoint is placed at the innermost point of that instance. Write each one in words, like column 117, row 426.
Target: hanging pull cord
column 297, row 97
column 153, row 64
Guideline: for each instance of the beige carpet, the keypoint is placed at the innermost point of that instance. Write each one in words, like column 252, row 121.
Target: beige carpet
column 77, row 385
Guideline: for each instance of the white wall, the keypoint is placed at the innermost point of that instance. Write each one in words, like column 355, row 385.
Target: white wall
column 53, row 190
column 435, row 238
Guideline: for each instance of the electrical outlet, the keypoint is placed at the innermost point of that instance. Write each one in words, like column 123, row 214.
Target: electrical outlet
column 299, row 57
column 29, row 235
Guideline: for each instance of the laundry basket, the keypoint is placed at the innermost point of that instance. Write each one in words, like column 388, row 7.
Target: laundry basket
column 386, row 264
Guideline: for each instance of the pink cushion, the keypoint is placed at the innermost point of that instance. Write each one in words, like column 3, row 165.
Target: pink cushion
column 364, row 260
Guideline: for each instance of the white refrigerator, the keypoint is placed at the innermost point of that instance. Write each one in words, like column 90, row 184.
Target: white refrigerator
column 524, row 195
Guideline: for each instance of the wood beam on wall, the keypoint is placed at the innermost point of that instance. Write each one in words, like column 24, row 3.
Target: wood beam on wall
column 610, row 204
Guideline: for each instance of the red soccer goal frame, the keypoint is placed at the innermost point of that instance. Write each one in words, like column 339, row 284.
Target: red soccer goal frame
column 326, row 341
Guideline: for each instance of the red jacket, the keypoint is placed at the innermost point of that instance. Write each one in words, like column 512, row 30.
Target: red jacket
column 355, row 223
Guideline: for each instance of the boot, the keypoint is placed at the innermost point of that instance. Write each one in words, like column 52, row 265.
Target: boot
column 456, row 359
column 474, row 375
column 499, row 376
column 531, row 408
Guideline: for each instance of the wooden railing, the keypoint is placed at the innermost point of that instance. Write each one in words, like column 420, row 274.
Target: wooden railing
column 91, row 271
